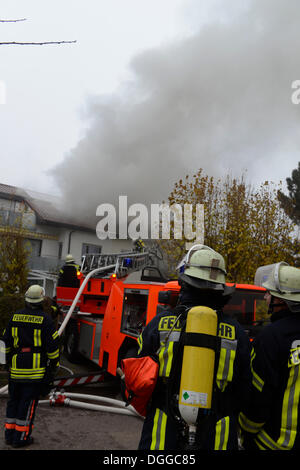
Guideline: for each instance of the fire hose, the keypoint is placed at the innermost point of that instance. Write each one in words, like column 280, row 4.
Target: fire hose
column 60, row 398
column 64, row 399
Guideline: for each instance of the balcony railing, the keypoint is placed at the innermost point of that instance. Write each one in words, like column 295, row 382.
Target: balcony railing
column 44, row 263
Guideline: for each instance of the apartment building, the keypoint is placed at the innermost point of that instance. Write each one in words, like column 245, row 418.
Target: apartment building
column 50, row 231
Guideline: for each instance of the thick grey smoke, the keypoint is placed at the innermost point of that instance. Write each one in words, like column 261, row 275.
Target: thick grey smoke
column 219, row 100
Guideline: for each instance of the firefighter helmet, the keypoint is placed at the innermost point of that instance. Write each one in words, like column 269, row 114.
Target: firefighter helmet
column 283, row 281
column 69, row 259
column 35, row 294
column 203, row 267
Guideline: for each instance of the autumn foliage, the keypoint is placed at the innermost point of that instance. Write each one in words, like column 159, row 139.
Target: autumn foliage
column 13, row 270
column 246, row 225
column 13, row 260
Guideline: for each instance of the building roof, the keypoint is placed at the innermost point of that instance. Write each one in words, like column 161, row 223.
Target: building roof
column 48, row 208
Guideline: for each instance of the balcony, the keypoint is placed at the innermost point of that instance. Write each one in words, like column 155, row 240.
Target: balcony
column 43, row 263
column 12, row 218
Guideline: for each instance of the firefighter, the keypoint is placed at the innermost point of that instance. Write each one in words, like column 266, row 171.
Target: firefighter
column 202, row 283
column 32, row 353
column 68, row 274
column 138, row 245
column 271, row 419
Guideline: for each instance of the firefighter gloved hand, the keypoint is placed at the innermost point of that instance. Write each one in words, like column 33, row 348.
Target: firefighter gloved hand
column 47, row 382
column 45, row 388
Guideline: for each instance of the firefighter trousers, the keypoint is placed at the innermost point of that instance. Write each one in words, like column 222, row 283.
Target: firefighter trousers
column 20, row 411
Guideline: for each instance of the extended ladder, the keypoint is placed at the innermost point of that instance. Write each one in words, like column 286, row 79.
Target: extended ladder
column 120, row 264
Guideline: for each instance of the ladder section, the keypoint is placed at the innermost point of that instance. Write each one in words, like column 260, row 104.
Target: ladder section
column 123, row 263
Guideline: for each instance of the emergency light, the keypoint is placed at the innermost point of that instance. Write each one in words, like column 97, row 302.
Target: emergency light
column 127, row 262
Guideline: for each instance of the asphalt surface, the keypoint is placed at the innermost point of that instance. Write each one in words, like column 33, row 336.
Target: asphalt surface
column 63, row 428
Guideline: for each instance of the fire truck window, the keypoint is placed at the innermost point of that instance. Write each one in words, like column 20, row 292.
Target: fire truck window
column 246, row 306
column 262, row 311
column 134, row 312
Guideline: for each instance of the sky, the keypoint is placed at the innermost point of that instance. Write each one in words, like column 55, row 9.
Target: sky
column 152, row 90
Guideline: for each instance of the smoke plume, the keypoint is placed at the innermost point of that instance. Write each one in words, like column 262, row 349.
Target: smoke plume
column 218, row 100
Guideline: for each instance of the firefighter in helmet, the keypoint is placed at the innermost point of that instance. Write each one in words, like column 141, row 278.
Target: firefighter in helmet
column 68, row 274
column 32, row 354
column 138, row 245
column 271, row 419
column 202, row 281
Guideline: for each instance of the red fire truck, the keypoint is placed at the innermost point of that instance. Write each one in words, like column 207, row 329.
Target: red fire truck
column 118, row 295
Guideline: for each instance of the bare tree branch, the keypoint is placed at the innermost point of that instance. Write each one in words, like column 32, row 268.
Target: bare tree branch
column 14, row 43
column 13, row 21
column 35, row 43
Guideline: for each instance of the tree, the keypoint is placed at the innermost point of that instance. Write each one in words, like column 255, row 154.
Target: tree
column 291, row 203
column 247, row 226
column 13, row 259
column 29, row 43
column 14, row 255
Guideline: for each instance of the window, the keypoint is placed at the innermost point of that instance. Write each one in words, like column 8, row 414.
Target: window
column 247, row 306
column 34, row 246
column 88, row 249
column 134, row 311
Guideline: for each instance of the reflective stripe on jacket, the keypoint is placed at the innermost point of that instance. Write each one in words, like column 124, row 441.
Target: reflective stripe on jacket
column 271, row 421
column 30, row 341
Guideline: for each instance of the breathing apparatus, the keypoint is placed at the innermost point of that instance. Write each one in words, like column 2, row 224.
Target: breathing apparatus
column 203, row 292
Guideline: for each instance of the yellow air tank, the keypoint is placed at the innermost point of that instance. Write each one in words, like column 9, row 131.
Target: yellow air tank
column 197, row 373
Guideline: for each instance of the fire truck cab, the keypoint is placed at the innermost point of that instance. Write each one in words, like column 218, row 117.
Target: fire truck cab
column 111, row 308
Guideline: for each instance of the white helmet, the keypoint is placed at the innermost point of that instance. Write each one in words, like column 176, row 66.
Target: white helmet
column 35, row 294
column 204, row 268
column 69, row 259
column 205, row 263
column 282, row 281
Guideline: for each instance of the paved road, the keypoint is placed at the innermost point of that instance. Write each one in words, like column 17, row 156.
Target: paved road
column 64, row 428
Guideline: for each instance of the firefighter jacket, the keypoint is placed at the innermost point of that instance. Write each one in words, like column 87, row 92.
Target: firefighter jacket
column 231, row 381
column 271, row 419
column 31, row 341
column 68, row 275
